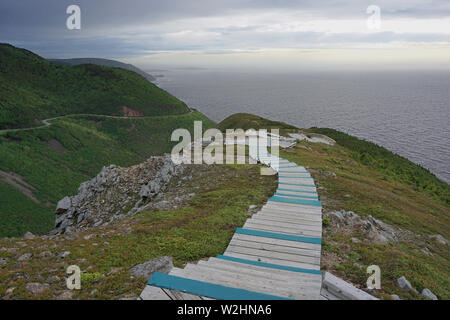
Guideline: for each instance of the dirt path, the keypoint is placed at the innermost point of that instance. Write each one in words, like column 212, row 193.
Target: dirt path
column 18, row 182
column 47, row 122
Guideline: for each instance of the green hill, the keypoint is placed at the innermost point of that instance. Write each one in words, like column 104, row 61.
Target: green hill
column 103, row 62
column 247, row 121
column 32, row 89
column 54, row 160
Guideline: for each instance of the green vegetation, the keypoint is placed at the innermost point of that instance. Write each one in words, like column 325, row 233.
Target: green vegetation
column 202, row 229
column 371, row 180
column 368, row 189
column 32, row 88
column 247, row 121
column 89, row 143
column 392, row 166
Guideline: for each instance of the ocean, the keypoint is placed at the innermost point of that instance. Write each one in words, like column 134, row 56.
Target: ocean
column 406, row 112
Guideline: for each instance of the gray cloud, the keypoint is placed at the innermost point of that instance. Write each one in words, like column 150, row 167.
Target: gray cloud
column 122, row 29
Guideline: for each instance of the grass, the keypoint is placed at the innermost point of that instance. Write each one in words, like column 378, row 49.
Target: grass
column 90, row 142
column 247, row 121
column 33, row 88
column 199, row 230
column 371, row 180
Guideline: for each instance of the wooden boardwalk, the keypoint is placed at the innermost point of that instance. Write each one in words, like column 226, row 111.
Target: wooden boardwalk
column 276, row 255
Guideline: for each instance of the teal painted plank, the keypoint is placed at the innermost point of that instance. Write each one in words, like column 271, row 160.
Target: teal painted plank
column 296, row 201
column 202, row 288
column 292, row 177
column 286, row 171
column 297, row 184
column 269, row 265
column 294, row 195
column 283, row 189
column 291, row 166
column 278, row 236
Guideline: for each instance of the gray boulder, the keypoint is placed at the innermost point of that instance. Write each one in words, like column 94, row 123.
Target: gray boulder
column 36, row 288
column 146, row 269
column 29, row 235
column 63, row 205
column 24, row 257
column 3, row 261
column 428, row 294
column 405, row 285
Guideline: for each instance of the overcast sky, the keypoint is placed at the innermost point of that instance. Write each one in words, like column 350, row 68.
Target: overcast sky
column 295, row 34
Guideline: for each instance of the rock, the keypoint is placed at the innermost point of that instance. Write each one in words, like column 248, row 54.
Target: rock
column 35, row 288
column 252, row 207
column 24, row 257
column 355, row 240
column 53, row 279
column 29, row 236
column 375, row 230
column 440, row 239
column 395, row 297
column 146, row 269
column 10, row 290
column 66, row 295
column 93, row 292
column 63, row 205
column 45, row 254
column 3, row 261
column 115, row 270
column 65, row 254
column 427, row 251
column 428, row 294
column 405, row 285
column 106, row 197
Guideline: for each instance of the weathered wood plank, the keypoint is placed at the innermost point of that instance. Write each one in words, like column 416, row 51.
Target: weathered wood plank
column 275, row 248
column 287, row 218
column 293, row 215
column 274, row 261
column 286, row 243
column 343, row 289
column 274, row 255
column 305, row 278
column 291, row 231
column 154, row 293
column 268, row 280
column 225, row 281
column 292, row 224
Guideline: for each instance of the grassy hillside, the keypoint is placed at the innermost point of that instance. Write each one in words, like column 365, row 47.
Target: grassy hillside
column 56, row 159
column 104, row 62
column 247, row 121
column 32, row 88
column 201, row 229
column 359, row 176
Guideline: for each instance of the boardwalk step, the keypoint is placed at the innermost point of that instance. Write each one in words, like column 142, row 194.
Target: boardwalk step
column 295, row 201
column 276, row 255
column 217, row 278
column 206, row 289
column 281, row 242
column 282, row 268
column 291, row 231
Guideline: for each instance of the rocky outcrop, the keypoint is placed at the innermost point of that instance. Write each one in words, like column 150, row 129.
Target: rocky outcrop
column 146, row 269
column 375, row 230
column 114, row 193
